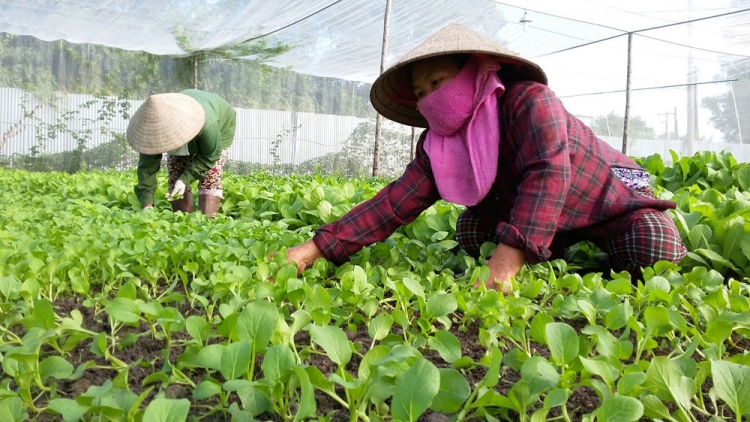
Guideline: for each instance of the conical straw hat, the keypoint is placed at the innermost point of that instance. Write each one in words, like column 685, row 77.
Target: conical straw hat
column 392, row 95
column 165, row 122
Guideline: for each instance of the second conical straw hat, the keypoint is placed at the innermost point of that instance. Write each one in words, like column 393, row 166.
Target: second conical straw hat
column 165, row 122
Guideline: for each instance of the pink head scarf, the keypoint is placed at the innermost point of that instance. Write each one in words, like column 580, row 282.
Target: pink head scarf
column 464, row 136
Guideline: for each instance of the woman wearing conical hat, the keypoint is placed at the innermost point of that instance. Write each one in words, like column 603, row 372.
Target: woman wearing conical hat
column 196, row 129
column 533, row 177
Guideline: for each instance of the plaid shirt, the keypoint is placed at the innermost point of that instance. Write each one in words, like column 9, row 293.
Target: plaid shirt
column 553, row 176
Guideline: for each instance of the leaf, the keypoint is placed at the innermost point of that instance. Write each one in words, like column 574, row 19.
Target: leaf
column 655, row 408
column 12, row 410
column 256, row 324
column 492, row 377
column 718, row 330
column 253, row 400
column 606, row 343
column 700, row 236
column 446, row 344
column 167, row 410
column 333, row 341
column 69, row 409
column 276, row 362
column 55, row 367
column 562, row 341
column 620, row 409
column 539, row 374
column 235, row 359
column 380, row 326
column 731, row 384
column 555, row 398
column 439, row 305
column 601, row 368
column 733, row 234
column 630, row 381
column 9, row 287
column 43, row 316
column 663, row 374
column 325, row 210
column 198, row 328
column 415, row 390
column 123, row 310
column 655, row 317
column 716, row 258
column 413, row 286
column 206, row 389
column 743, row 177
column 366, row 367
column 538, row 327
column 210, row 356
column 307, row 405
column 453, row 392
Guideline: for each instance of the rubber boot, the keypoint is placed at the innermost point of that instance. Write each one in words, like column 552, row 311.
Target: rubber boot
column 185, row 204
column 209, row 205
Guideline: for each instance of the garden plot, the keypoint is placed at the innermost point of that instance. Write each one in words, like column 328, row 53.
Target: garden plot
column 113, row 314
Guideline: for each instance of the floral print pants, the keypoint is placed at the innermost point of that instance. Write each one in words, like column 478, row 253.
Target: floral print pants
column 209, row 185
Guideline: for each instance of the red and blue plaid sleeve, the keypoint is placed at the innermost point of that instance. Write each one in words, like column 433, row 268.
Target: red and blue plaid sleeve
column 374, row 220
column 539, row 134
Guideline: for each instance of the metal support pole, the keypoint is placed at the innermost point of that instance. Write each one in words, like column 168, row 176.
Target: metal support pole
column 691, row 135
column 413, row 149
column 627, row 97
column 378, row 123
column 195, row 72
column 736, row 113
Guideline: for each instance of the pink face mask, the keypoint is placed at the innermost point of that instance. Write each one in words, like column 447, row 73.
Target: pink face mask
column 464, row 137
column 449, row 107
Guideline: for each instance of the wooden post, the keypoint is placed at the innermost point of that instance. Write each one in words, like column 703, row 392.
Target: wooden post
column 627, row 97
column 378, row 123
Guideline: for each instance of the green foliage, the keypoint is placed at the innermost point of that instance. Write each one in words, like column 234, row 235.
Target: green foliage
column 395, row 333
column 234, row 72
column 730, row 111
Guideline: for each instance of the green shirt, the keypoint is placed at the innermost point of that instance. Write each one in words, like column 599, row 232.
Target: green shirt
column 216, row 135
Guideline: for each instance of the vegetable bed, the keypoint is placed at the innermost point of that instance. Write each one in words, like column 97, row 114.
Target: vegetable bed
column 111, row 314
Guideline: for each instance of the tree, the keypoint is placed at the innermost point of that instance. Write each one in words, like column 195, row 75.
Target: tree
column 613, row 125
column 732, row 120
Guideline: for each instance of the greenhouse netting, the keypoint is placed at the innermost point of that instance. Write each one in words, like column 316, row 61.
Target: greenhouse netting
column 72, row 72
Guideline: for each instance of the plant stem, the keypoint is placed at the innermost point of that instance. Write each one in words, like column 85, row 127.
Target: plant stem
column 467, row 405
column 564, row 409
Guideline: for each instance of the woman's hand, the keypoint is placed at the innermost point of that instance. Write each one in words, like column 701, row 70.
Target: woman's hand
column 504, row 264
column 178, row 192
column 303, row 255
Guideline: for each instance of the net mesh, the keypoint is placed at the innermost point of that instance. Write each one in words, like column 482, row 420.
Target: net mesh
column 299, row 73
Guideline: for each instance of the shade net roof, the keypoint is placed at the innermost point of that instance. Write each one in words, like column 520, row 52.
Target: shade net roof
column 581, row 44
column 342, row 38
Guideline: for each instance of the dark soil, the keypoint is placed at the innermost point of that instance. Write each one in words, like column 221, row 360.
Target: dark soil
column 145, row 358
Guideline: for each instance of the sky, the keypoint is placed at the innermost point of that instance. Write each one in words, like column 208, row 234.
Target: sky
column 602, row 67
column 343, row 38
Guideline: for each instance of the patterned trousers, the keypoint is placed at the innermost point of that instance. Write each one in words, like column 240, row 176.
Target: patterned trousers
column 209, row 185
column 653, row 237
